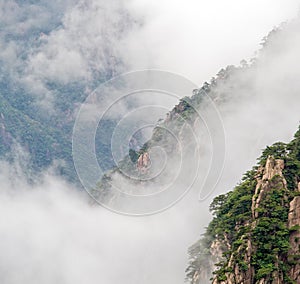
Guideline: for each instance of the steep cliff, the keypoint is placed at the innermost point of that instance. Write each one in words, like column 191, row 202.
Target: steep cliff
column 293, row 223
column 254, row 236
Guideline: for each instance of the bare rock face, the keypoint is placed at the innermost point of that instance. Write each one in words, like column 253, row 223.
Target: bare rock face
column 268, row 178
column 143, row 162
column 265, row 182
column 273, row 167
column 216, row 249
column 294, row 222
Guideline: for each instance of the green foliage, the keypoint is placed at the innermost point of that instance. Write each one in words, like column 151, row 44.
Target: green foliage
column 277, row 150
column 44, row 134
column 295, row 228
column 229, row 210
column 292, row 168
column 133, row 155
column 269, row 234
column 233, row 208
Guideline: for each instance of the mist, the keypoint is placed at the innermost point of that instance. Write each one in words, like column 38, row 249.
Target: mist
column 49, row 232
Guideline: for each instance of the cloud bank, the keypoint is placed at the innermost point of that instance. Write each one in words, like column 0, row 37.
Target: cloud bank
column 49, row 233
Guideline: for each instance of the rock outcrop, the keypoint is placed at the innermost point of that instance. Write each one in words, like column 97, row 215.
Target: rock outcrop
column 269, row 179
column 294, row 226
column 143, row 162
column 265, row 182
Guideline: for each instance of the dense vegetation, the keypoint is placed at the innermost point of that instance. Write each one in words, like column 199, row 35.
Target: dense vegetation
column 45, row 131
column 45, row 135
column 37, row 110
column 233, row 223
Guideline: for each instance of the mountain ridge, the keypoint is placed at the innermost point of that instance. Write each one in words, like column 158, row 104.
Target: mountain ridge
column 254, row 235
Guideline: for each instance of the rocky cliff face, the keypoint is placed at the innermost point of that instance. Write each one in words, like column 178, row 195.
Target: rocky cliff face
column 267, row 178
column 263, row 241
column 143, row 162
column 265, row 182
column 293, row 223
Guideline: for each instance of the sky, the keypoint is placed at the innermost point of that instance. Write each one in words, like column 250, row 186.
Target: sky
column 80, row 38
column 49, row 233
column 198, row 38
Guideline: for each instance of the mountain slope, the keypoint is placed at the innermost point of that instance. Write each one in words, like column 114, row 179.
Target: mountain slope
column 254, row 235
column 50, row 61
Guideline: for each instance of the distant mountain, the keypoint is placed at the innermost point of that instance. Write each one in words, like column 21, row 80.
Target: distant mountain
column 233, row 90
column 39, row 94
column 254, row 235
column 45, row 135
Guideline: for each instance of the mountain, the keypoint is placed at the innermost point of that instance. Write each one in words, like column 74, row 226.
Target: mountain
column 254, row 235
column 248, row 97
column 46, row 73
column 45, row 136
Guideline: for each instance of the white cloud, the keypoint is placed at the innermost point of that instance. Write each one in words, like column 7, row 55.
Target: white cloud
column 84, row 45
column 197, row 38
column 49, row 234
column 85, row 38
